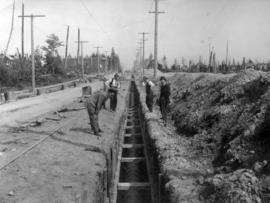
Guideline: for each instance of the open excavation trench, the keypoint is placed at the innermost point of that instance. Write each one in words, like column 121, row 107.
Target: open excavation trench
column 135, row 173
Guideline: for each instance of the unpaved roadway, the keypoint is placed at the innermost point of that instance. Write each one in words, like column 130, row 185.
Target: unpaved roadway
column 14, row 113
column 59, row 168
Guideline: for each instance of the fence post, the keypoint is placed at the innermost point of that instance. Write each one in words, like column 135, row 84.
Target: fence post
column 2, row 98
column 10, row 96
column 86, row 90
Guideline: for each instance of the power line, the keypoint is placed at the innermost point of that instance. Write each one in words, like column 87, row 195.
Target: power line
column 92, row 16
column 133, row 23
column 11, row 28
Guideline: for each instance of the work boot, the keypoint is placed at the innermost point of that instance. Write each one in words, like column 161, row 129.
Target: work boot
column 97, row 134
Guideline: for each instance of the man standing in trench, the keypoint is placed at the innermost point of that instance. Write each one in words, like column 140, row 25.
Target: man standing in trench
column 94, row 104
column 164, row 98
column 149, row 93
column 114, row 86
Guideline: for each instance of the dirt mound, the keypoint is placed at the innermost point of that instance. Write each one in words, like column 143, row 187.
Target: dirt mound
column 226, row 115
column 239, row 186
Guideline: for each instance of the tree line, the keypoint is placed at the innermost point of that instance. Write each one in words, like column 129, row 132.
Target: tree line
column 212, row 67
column 15, row 70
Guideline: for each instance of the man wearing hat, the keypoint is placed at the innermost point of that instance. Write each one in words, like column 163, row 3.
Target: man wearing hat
column 149, row 92
column 164, row 98
column 93, row 105
column 113, row 85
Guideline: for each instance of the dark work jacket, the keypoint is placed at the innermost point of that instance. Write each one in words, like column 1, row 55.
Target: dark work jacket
column 95, row 102
column 165, row 92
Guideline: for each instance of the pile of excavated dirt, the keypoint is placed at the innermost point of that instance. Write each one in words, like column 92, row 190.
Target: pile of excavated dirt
column 227, row 116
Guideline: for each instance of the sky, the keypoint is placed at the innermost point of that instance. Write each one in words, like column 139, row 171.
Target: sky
column 186, row 29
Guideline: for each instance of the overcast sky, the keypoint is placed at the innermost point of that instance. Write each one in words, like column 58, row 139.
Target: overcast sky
column 186, row 29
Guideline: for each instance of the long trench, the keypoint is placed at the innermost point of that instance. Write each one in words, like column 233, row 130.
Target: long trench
column 134, row 181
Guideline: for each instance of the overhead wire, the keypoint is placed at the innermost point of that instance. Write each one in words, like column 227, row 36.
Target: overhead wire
column 95, row 20
column 11, row 28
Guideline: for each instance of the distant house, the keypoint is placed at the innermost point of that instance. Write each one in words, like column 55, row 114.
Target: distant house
column 8, row 59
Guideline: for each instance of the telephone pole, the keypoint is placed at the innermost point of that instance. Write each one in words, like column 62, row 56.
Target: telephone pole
column 32, row 46
column 97, row 47
column 82, row 60
column 141, row 60
column 106, row 61
column 66, row 51
column 23, row 32
column 156, row 12
column 139, row 49
column 227, row 52
column 143, row 42
column 78, row 48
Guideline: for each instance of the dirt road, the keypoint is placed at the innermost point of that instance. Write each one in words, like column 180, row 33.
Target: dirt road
column 14, row 113
column 65, row 164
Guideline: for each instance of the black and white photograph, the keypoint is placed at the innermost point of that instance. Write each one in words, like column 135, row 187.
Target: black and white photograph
column 134, row 101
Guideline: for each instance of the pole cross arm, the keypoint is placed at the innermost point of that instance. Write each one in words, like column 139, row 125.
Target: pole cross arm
column 29, row 16
column 159, row 12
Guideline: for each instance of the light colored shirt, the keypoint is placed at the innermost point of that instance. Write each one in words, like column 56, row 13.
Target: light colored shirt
column 149, row 82
column 113, row 83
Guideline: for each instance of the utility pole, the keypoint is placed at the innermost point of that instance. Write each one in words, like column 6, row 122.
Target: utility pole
column 32, row 46
column 82, row 60
column 23, row 32
column 78, row 48
column 141, row 53
column 139, row 49
column 209, row 49
column 227, row 52
column 106, row 61
column 66, row 51
column 214, row 63
column 156, row 12
column 143, row 40
column 97, row 47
